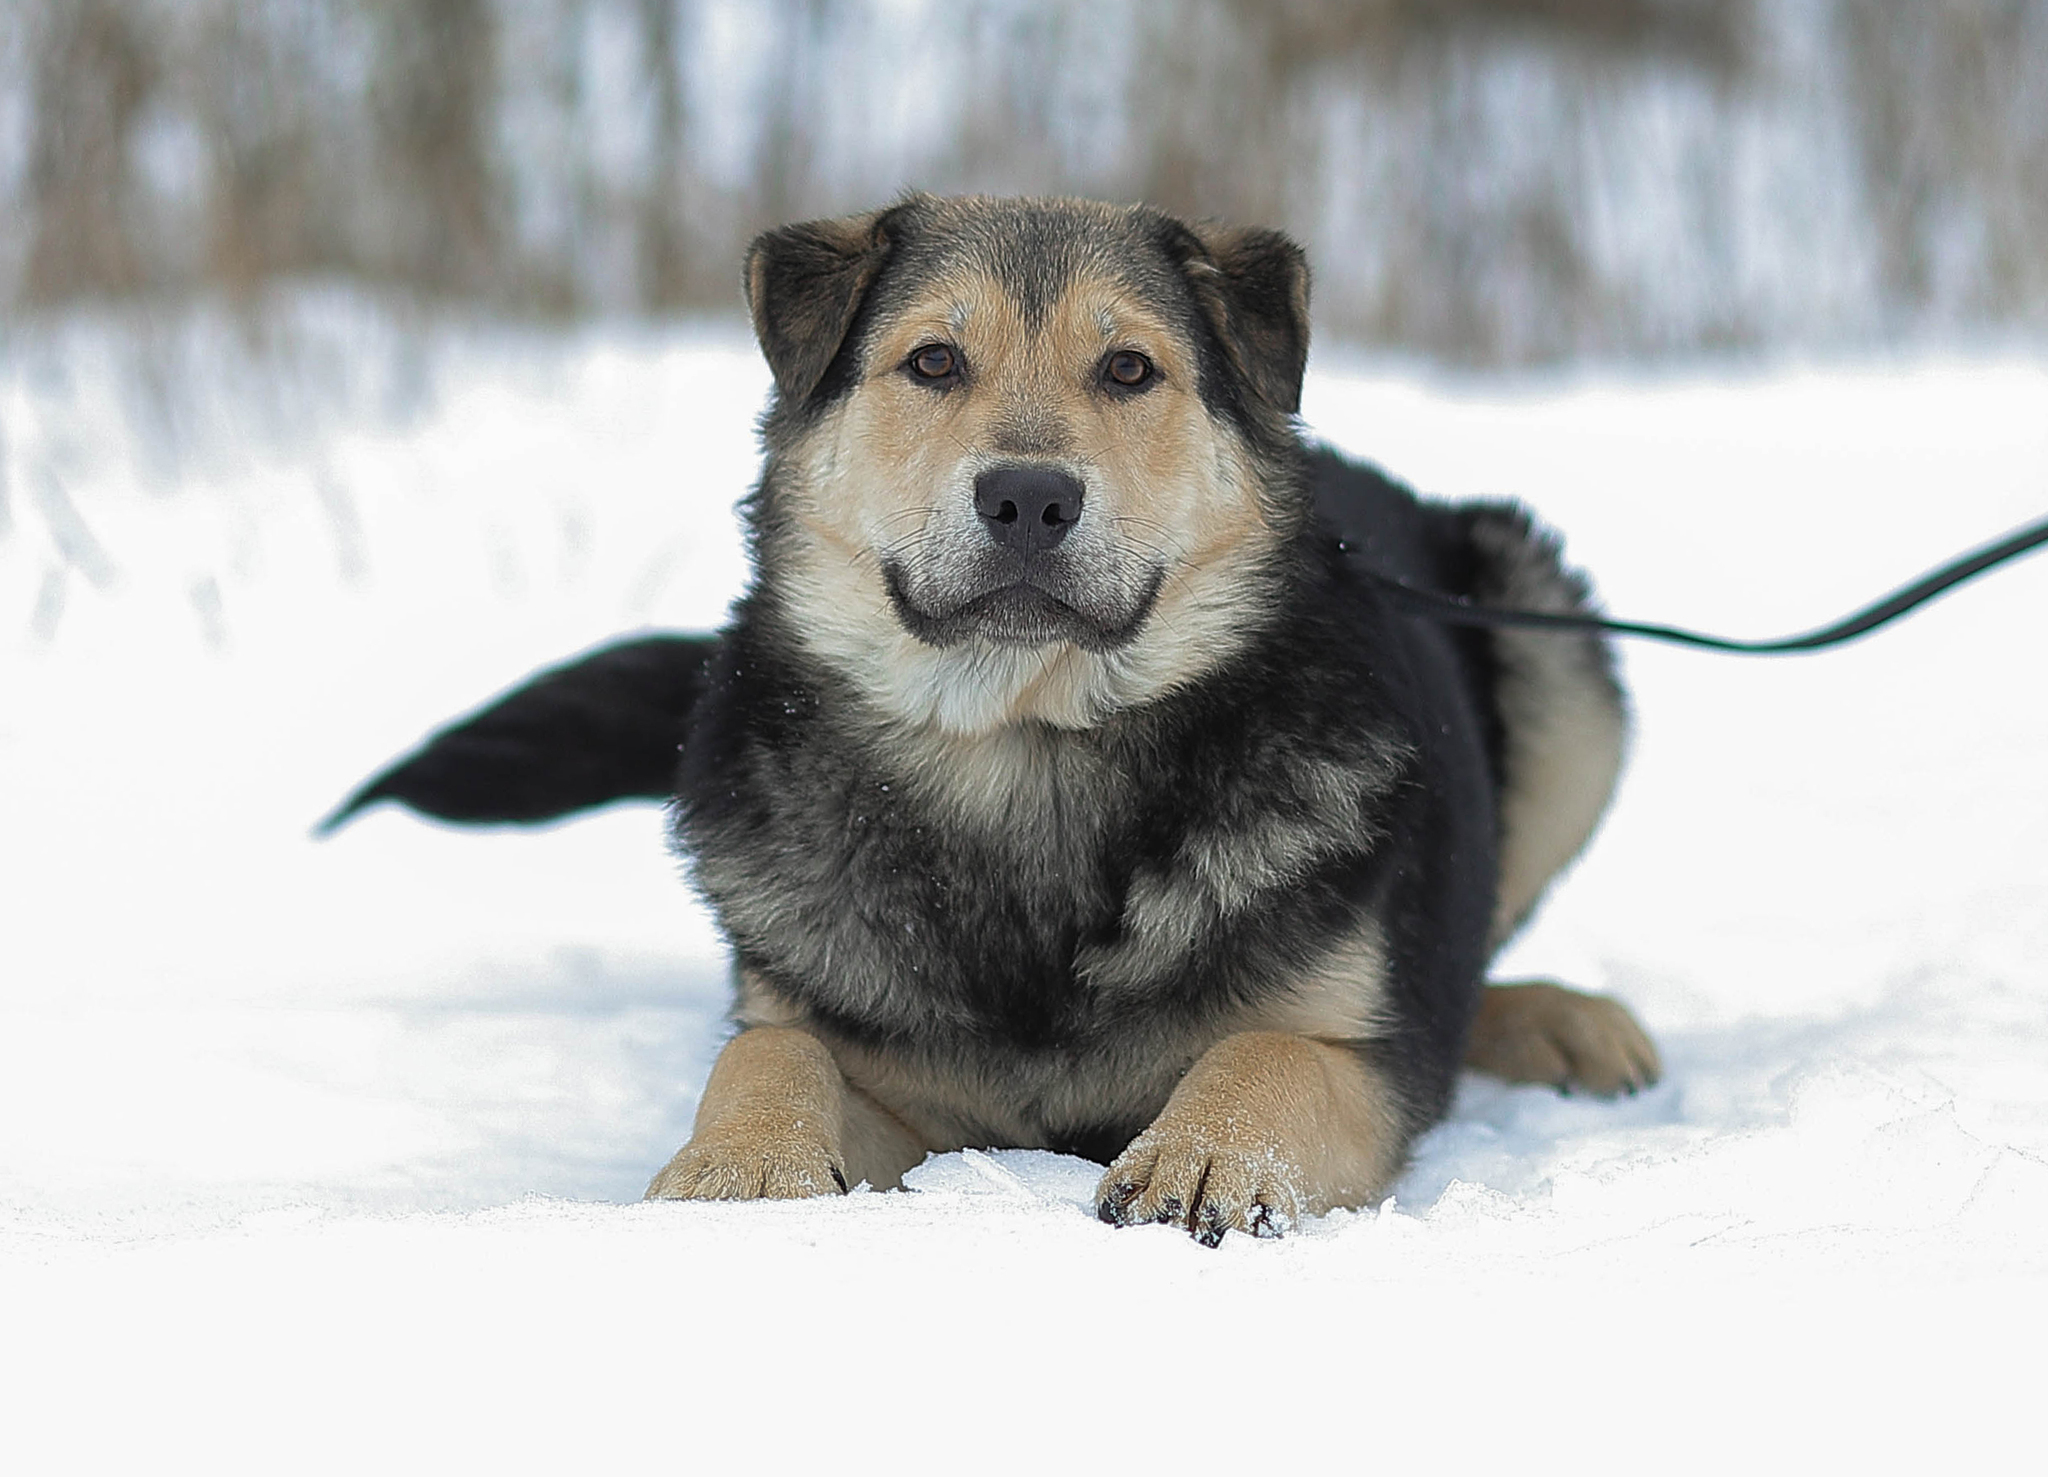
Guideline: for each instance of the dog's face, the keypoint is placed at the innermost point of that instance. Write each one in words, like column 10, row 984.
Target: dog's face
column 1027, row 456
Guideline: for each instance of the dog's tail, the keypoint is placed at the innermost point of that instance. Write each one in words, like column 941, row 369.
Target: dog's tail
column 603, row 727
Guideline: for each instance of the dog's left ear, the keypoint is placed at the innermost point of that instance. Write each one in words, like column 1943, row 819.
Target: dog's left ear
column 804, row 285
column 1253, row 287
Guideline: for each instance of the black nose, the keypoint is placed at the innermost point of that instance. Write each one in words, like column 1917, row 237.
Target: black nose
column 1026, row 509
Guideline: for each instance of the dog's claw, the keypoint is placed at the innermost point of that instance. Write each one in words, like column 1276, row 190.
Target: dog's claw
column 1206, row 1191
column 1114, row 1203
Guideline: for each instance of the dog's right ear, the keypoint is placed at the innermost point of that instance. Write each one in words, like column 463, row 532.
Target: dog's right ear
column 1253, row 287
column 804, row 284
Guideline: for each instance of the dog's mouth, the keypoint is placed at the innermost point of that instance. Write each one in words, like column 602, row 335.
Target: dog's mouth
column 1023, row 613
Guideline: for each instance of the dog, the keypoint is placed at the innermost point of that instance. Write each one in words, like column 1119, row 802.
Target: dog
column 1059, row 781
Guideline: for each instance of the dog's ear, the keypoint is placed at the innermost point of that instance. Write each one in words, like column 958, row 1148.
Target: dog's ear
column 804, row 285
column 1252, row 286
column 602, row 728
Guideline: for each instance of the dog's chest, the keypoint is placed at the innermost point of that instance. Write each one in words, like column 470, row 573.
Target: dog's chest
column 1036, row 889
column 896, row 894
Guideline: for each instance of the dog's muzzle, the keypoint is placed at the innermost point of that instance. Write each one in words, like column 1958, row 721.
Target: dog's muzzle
column 1026, row 583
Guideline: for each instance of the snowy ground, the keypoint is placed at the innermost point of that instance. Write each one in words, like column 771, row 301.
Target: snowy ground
column 326, row 1156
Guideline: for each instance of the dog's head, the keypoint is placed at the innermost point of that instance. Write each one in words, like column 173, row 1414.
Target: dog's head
column 1028, row 459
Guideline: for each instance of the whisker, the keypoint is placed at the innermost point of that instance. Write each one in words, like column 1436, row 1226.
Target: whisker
column 892, row 550
column 910, row 541
column 1152, row 523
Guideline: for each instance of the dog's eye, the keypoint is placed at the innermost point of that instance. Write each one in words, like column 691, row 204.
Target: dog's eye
column 1127, row 369
column 934, row 362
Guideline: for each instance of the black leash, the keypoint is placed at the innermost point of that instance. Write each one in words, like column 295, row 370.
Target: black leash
column 1460, row 611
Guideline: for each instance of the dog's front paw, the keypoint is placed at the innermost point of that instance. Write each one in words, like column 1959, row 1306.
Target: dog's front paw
column 787, row 1163
column 1182, row 1176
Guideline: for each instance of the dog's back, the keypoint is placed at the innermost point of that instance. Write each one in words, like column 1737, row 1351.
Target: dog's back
column 1556, row 716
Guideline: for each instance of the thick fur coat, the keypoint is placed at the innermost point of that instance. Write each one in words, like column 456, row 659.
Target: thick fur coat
column 1060, row 781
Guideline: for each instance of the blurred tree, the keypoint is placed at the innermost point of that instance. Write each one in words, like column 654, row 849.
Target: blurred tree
column 432, row 97
column 1483, row 180
column 93, row 72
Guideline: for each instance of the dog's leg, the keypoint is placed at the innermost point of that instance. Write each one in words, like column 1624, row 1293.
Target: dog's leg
column 778, row 1122
column 1264, row 1127
column 1534, row 1031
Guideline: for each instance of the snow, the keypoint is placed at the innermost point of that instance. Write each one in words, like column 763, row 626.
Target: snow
column 326, row 1155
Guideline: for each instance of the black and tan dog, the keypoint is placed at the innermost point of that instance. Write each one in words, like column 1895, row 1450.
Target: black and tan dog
column 1058, row 782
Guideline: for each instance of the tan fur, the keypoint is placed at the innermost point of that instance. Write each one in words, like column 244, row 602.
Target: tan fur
column 1566, row 739
column 939, row 1108
column 1342, row 999
column 945, row 1109
column 1007, row 777
column 1264, row 1128
column 1565, row 729
column 757, row 1003
column 778, row 1122
column 889, row 471
column 1541, row 1032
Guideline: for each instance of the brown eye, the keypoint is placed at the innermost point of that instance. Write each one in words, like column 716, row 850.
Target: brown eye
column 934, row 362
column 1128, row 369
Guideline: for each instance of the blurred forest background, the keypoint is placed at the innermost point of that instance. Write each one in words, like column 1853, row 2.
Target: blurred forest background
column 1479, row 182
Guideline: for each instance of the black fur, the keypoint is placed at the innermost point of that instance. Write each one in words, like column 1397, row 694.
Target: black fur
column 804, row 285
column 856, row 895
column 601, row 728
column 1140, row 883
